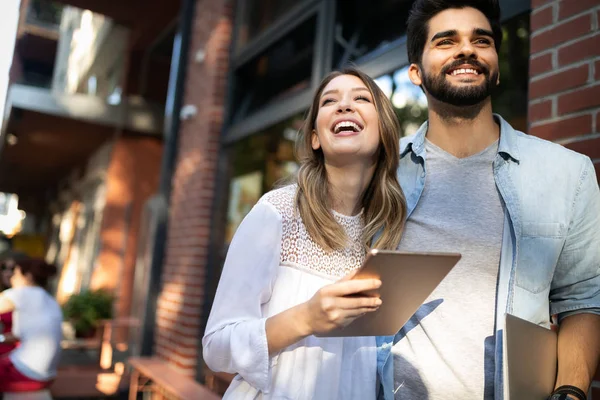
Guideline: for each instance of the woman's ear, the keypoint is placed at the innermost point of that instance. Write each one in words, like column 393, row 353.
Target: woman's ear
column 314, row 138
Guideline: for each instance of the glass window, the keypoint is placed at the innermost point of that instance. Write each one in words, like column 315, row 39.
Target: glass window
column 282, row 70
column 511, row 98
column 257, row 15
column 259, row 162
column 362, row 28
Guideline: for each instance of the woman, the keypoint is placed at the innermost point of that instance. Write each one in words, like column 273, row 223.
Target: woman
column 281, row 280
column 8, row 260
column 37, row 322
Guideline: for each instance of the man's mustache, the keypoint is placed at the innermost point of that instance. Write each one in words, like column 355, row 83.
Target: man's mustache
column 484, row 70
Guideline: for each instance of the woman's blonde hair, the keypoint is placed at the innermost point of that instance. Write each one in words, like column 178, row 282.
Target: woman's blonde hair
column 383, row 202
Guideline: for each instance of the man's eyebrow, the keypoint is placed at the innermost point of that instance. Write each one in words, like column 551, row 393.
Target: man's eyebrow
column 482, row 32
column 444, row 34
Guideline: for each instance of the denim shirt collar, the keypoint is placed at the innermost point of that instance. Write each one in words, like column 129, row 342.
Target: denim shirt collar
column 506, row 148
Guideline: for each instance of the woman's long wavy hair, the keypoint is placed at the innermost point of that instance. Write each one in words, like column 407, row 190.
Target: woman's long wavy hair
column 383, row 202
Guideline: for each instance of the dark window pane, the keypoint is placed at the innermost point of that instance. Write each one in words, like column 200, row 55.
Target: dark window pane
column 510, row 101
column 259, row 15
column 364, row 27
column 283, row 69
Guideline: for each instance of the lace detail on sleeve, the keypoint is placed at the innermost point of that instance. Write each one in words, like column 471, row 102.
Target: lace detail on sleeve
column 297, row 246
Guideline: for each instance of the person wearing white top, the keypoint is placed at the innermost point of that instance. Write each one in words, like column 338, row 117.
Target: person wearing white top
column 37, row 320
column 287, row 272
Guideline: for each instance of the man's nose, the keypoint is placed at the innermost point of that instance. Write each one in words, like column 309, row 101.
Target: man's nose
column 466, row 50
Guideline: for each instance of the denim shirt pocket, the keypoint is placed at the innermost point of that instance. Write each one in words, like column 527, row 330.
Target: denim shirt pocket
column 539, row 248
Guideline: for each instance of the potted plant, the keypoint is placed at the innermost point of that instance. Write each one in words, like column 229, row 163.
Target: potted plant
column 85, row 310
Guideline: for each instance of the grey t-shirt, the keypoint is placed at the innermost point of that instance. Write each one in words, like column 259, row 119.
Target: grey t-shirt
column 446, row 350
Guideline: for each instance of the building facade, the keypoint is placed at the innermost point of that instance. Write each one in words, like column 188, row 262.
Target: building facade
column 252, row 68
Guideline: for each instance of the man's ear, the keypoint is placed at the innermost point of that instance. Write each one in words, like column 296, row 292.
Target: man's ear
column 316, row 144
column 414, row 74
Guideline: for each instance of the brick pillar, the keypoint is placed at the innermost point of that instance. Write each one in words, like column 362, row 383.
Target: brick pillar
column 564, row 87
column 182, row 284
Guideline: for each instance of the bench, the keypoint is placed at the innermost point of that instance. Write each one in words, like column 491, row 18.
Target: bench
column 150, row 374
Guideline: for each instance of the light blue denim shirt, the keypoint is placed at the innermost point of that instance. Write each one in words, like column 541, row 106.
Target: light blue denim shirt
column 550, row 256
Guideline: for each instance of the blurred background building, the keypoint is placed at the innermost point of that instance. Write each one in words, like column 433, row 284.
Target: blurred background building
column 137, row 135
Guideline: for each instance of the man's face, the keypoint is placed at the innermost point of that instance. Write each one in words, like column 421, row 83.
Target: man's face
column 460, row 63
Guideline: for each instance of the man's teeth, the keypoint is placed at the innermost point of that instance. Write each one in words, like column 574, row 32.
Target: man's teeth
column 465, row 71
column 346, row 124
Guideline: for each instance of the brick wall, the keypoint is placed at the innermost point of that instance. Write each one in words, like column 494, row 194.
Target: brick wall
column 131, row 178
column 564, row 89
column 180, row 301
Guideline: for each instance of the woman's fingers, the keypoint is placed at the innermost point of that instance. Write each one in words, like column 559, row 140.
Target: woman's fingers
column 354, row 303
column 345, row 288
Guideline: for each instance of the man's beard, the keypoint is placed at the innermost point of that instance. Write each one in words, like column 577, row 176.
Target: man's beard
column 442, row 90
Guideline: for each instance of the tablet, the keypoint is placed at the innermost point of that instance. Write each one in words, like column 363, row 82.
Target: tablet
column 407, row 280
column 530, row 360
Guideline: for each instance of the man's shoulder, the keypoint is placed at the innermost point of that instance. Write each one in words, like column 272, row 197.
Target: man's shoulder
column 542, row 153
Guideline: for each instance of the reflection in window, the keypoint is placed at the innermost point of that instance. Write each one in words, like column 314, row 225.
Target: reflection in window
column 362, row 28
column 408, row 100
column 510, row 101
column 283, row 69
column 260, row 162
column 258, row 15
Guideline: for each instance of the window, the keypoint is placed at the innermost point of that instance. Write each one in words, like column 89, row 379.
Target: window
column 362, row 28
column 282, row 70
column 259, row 163
column 257, row 15
column 510, row 100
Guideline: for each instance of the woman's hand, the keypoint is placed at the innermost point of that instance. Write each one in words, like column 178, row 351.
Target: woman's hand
column 333, row 306
column 337, row 305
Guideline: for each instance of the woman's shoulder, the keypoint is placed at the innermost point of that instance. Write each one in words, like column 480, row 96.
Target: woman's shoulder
column 282, row 199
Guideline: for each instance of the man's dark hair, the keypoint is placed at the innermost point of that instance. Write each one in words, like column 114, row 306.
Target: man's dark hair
column 424, row 10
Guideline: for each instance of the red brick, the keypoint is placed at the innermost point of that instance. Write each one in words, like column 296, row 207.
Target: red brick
column 598, row 131
column 561, row 33
column 540, row 19
column 568, row 79
column 579, row 100
column 540, row 64
column 597, row 168
column 564, row 128
column 538, row 3
column 597, row 68
column 578, row 51
column 589, row 147
column 540, row 111
column 567, row 8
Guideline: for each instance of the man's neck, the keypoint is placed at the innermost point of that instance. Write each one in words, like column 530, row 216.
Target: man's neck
column 347, row 186
column 462, row 131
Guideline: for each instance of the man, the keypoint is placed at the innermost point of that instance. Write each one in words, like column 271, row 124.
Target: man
column 524, row 213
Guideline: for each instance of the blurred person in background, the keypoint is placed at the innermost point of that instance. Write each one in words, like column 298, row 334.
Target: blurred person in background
column 8, row 260
column 37, row 320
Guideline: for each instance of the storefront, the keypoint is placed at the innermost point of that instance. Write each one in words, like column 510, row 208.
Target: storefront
column 281, row 50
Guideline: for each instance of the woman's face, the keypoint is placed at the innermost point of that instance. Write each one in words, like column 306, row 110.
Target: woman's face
column 347, row 125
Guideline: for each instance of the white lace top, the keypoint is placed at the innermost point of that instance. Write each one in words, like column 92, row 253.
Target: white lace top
column 272, row 265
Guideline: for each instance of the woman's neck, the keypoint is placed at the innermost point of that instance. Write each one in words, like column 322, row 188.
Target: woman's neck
column 347, row 185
